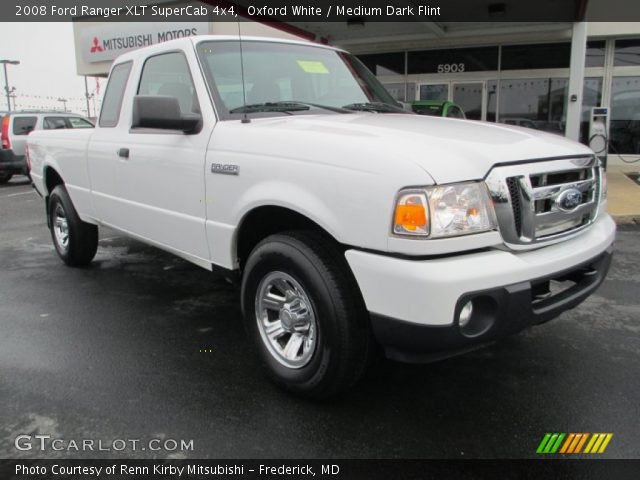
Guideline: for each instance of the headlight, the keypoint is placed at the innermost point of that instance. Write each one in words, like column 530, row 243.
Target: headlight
column 444, row 211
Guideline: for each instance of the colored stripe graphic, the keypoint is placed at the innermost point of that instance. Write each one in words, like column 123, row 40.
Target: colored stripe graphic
column 576, row 440
column 581, row 443
column 572, row 443
column 556, row 445
column 543, row 443
column 607, row 439
column 550, row 443
column 567, row 443
column 598, row 443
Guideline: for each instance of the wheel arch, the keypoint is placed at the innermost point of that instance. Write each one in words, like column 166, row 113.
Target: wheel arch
column 50, row 180
column 264, row 220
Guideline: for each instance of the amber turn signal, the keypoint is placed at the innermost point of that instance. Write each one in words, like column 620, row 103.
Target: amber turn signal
column 411, row 217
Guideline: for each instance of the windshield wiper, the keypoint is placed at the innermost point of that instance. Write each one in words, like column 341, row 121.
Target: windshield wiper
column 284, row 106
column 323, row 107
column 377, row 107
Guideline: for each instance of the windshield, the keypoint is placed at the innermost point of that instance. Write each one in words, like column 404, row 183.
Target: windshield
column 289, row 79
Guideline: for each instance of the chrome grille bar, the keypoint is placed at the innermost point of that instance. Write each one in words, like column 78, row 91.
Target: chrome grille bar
column 541, row 193
column 544, row 201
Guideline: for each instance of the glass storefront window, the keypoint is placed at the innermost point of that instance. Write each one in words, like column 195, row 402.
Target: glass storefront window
column 541, row 103
column 595, row 54
column 469, row 96
column 627, row 53
column 591, row 97
column 384, row 63
column 492, row 98
column 534, row 103
column 434, row 92
column 624, row 127
column 526, row 57
column 397, row 91
column 453, row 60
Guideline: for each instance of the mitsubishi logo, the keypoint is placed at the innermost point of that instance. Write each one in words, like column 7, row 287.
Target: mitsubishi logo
column 569, row 200
column 96, row 45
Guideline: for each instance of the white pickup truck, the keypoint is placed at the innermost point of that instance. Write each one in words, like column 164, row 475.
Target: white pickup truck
column 347, row 221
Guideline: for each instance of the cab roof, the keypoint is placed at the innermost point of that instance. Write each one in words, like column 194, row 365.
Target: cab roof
column 194, row 40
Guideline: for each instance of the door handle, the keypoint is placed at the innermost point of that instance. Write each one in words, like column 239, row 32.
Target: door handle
column 123, row 153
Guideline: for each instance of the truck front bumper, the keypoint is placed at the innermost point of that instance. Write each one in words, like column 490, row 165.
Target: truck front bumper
column 416, row 305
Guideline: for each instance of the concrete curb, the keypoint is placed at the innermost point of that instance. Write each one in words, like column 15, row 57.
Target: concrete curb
column 627, row 219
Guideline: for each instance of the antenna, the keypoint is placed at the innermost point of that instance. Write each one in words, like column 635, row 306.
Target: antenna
column 245, row 118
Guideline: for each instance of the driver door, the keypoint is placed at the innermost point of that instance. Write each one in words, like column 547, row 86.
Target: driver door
column 160, row 173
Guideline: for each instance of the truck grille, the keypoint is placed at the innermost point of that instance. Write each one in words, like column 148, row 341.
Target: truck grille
column 543, row 201
column 516, row 206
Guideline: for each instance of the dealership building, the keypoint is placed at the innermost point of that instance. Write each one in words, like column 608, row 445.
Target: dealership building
column 540, row 75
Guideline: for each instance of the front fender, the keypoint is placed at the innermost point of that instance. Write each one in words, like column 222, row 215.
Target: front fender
column 293, row 197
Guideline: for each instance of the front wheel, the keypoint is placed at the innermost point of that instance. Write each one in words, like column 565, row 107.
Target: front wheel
column 305, row 314
column 76, row 241
column 5, row 177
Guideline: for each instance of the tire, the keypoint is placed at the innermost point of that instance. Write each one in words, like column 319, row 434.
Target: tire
column 298, row 284
column 75, row 241
column 4, row 178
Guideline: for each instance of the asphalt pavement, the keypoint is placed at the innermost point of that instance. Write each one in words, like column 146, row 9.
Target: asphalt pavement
column 143, row 345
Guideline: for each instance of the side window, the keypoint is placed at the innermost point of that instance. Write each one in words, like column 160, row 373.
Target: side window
column 168, row 74
column 51, row 123
column 77, row 122
column 112, row 102
column 23, row 125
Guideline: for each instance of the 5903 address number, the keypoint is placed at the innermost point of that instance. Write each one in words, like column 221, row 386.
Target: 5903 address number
column 450, row 67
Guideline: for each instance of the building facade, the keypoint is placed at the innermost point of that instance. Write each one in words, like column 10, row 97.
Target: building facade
column 524, row 81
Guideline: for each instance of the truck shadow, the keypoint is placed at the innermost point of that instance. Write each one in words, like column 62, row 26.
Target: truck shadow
column 162, row 349
column 16, row 181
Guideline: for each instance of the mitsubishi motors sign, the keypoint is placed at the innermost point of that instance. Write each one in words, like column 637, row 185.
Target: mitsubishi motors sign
column 106, row 42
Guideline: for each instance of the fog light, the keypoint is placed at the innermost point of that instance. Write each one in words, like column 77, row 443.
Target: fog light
column 465, row 314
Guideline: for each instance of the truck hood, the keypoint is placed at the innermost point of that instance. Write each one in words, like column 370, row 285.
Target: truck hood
column 449, row 150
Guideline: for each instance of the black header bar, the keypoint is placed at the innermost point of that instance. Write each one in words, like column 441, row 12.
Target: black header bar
column 584, row 469
column 353, row 12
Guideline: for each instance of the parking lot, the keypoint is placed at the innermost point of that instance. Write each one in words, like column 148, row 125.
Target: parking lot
column 144, row 345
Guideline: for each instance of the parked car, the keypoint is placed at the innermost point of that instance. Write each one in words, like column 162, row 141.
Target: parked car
column 344, row 219
column 15, row 126
column 438, row 108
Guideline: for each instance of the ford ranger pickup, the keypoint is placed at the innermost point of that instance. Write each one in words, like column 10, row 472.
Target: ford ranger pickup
column 348, row 222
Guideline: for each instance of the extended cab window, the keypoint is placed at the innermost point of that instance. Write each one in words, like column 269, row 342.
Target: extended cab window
column 168, row 74
column 23, row 125
column 112, row 103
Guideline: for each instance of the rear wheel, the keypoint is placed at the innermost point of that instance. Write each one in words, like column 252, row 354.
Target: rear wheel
column 305, row 314
column 5, row 177
column 75, row 241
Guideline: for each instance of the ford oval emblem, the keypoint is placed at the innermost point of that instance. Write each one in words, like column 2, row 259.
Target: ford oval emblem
column 569, row 200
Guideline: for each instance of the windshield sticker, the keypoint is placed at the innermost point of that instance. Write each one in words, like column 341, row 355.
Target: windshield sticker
column 312, row 66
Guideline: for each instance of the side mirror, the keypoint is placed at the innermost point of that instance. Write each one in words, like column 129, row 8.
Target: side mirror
column 162, row 112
